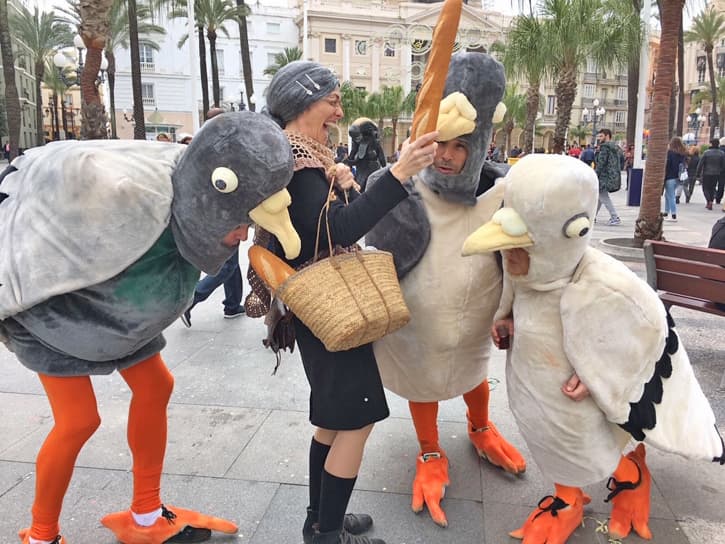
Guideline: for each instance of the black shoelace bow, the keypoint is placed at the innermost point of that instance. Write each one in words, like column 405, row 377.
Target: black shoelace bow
column 554, row 506
column 168, row 515
column 616, row 487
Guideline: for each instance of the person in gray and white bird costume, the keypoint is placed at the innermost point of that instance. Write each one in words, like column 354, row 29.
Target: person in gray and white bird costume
column 584, row 320
column 102, row 243
column 441, row 353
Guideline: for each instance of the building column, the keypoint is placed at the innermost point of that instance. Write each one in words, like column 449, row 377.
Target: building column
column 375, row 74
column 346, row 44
column 405, row 62
column 313, row 45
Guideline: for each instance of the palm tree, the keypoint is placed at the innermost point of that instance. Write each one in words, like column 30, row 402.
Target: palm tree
column 524, row 58
column 53, row 81
column 42, row 33
column 289, row 54
column 516, row 112
column 576, row 30
column 94, row 30
column 580, row 133
column 649, row 222
column 246, row 60
column 12, row 101
column 354, row 102
column 212, row 14
column 708, row 27
column 705, row 95
column 120, row 36
column 394, row 104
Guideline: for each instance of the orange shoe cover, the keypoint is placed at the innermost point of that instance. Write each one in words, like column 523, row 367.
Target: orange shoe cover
column 24, row 535
column 555, row 519
column 630, row 495
column 172, row 521
column 493, row 447
column 429, row 485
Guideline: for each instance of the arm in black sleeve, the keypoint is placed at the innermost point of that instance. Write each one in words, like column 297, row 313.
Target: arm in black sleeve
column 348, row 223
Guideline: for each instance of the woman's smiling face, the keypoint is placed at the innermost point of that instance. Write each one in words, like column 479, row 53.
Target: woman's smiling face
column 316, row 120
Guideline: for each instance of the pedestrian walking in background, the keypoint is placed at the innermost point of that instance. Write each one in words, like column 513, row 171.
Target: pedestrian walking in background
column 692, row 163
column 675, row 167
column 709, row 170
column 608, row 172
column 587, row 155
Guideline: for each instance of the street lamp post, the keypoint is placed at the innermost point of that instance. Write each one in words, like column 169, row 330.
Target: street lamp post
column 242, row 107
column 697, row 121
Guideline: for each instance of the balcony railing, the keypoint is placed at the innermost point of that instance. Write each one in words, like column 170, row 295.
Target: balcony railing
column 148, row 67
column 148, row 101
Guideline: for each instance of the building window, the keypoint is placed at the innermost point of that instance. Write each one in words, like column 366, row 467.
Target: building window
column 389, row 50
column 620, row 116
column 588, row 90
column 720, row 64
column 621, row 93
column 550, row 105
column 147, row 94
column 270, row 59
column 591, row 66
column 361, row 47
column 220, row 61
column 272, row 28
column 701, row 66
column 146, row 56
column 68, row 100
column 330, row 45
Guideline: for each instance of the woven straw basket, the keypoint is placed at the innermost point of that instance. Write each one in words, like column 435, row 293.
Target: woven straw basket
column 347, row 300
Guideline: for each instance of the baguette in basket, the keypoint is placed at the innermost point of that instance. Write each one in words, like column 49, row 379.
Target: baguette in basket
column 346, row 300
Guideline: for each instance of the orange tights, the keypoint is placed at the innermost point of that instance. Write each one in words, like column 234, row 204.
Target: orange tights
column 76, row 418
column 425, row 416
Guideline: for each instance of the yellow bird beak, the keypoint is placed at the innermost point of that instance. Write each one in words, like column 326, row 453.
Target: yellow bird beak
column 506, row 230
column 273, row 216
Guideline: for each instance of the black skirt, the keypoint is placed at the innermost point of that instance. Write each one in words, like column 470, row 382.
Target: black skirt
column 346, row 391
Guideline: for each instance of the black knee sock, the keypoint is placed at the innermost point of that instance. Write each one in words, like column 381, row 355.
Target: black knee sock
column 333, row 501
column 318, row 455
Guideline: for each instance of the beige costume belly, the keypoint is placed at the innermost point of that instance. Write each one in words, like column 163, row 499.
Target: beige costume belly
column 572, row 442
column 443, row 352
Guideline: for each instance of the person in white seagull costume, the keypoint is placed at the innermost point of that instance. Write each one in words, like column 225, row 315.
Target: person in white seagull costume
column 595, row 359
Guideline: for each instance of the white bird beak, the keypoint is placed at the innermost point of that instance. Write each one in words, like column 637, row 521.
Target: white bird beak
column 506, row 230
column 272, row 215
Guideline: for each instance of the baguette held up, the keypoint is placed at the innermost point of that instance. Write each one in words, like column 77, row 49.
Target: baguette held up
column 431, row 90
column 273, row 270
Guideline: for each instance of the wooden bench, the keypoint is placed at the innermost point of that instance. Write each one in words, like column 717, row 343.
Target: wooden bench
column 688, row 276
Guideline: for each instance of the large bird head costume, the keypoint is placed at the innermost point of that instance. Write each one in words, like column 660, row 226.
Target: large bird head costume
column 474, row 87
column 363, row 130
column 225, row 179
column 549, row 207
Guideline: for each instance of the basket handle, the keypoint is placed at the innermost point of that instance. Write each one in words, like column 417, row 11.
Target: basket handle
column 326, row 209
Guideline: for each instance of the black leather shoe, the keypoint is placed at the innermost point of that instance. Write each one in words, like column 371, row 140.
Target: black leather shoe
column 343, row 537
column 353, row 523
column 190, row 535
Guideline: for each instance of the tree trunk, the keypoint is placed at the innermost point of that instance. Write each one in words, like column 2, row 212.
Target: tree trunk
column 532, row 108
column 111, row 72
column 633, row 88
column 714, row 120
column 93, row 30
column 12, row 101
column 681, row 79
column 394, row 120
column 565, row 94
column 64, row 117
column 203, row 71
column 246, row 60
column 211, row 36
column 40, row 136
column 649, row 222
column 139, row 126
column 673, row 110
column 55, row 123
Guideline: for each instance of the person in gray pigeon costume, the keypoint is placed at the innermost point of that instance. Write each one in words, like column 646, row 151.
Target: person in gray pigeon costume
column 102, row 244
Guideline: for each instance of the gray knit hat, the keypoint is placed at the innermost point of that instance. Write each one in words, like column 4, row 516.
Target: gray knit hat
column 295, row 87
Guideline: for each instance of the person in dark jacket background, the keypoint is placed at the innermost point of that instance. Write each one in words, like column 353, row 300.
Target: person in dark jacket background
column 709, row 170
column 692, row 163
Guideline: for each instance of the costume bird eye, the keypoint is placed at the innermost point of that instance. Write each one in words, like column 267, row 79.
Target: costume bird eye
column 224, row 180
column 577, row 226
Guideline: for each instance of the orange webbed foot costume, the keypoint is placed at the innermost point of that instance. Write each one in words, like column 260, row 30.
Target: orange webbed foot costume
column 493, row 447
column 555, row 519
column 429, row 485
column 172, row 521
column 24, row 535
column 630, row 495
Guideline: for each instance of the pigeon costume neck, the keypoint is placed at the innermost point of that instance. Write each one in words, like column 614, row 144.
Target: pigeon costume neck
column 481, row 79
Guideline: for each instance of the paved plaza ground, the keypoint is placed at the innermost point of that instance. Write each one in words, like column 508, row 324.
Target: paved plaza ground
column 238, row 441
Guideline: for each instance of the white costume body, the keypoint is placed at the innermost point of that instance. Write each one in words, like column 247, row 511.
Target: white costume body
column 580, row 311
column 444, row 351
